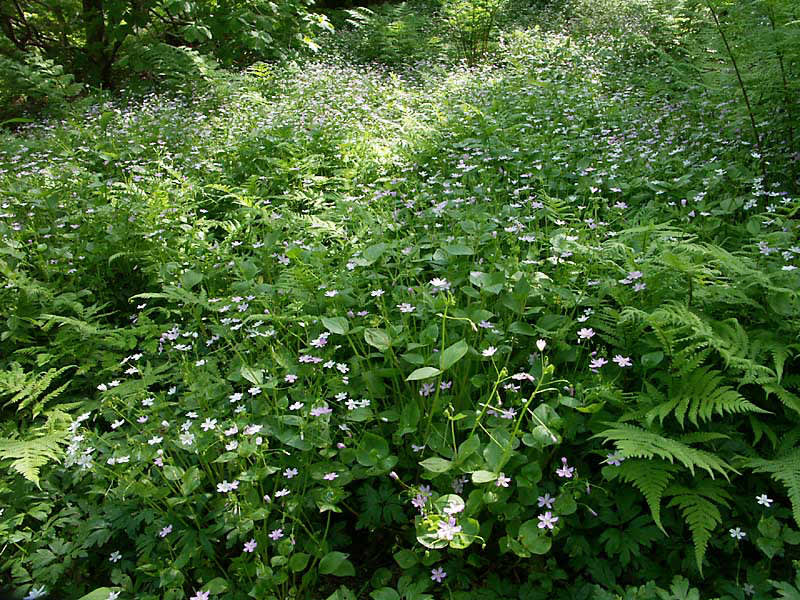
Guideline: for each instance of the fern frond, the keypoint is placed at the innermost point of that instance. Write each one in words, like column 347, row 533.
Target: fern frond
column 651, row 478
column 635, row 442
column 703, row 394
column 785, row 396
column 29, row 389
column 28, row 456
column 785, row 468
column 702, row 516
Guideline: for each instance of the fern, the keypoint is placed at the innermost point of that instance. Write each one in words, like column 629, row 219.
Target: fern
column 29, row 389
column 28, row 456
column 651, row 478
column 699, row 509
column 699, row 396
column 635, row 442
column 785, row 468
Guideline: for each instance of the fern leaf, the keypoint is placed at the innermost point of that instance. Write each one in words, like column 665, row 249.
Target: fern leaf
column 28, row 456
column 634, row 442
column 29, row 389
column 785, row 396
column 651, row 478
column 785, row 468
column 702, row 516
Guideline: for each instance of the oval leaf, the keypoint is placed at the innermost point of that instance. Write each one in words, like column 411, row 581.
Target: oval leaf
column 452, row 354
column 423, row 373
column 336, row 563
column 377, row 338
column 436, row 464
column 338, row 325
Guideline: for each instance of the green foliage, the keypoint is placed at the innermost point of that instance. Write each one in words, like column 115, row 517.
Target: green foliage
column 28, row 391
column 379, row 323
column 28, row 456
column 785, row 468
column 30, row 81
column 471, row 23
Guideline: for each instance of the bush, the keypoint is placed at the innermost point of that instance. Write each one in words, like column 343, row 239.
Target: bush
column 31, row 82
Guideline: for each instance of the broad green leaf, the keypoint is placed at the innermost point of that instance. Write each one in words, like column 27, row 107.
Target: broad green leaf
column 377, row 338
column 343, row 593
column 98, row 594
column 336, row 563
column 423, row 373
column 452, row 354
column 436, row 464
column 521, row 328
column 254, row 376
column 470, row 528
column 384, row 593
column 483, row 477
column 565, row 505
column 191, row 480
column 172, row 473
column 338, row 325
column 373, row 253
column 216, row 585
column 406, row 559
column 190, row 279
column 651, row 359
column 459, row 250
column 533, row 538
column 371, row 450
column 298, row 561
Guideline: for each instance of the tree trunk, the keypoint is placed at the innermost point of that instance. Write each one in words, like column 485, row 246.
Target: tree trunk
column 96, row 48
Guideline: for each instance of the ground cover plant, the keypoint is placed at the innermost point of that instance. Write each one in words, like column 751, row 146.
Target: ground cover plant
column 515, row 319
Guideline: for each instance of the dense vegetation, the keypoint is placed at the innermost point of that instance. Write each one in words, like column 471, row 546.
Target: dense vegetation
column 460, row 300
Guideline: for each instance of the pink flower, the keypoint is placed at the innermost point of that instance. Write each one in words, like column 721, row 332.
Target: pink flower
column 250, row 546
column 547, row 520
column 596, row 363
column 201, row 595
column 585, row 333
column 502, row 480
column 438, row 574
column 546, row 500
column 565, row 470
column 622, row 361
column 276, row 534
column 330, row 476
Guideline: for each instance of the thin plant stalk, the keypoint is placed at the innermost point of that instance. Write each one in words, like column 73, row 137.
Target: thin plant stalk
column 742, row 87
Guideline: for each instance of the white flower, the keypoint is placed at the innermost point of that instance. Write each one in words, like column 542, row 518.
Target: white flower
column 36, row 593
column 489, row 351
column 115, row 556
column 737, row 533
column 764, row 500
